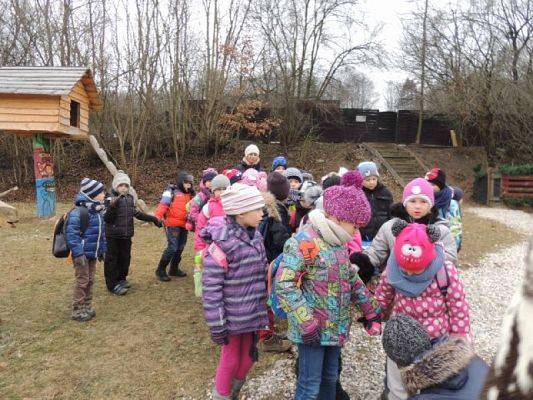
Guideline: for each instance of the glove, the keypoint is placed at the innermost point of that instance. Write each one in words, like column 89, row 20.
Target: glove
column 366, row 269
column 372, row 326
column 220, row 337
column 80, row 261
column 101, row 257
column 157, row 222
column 311, row 333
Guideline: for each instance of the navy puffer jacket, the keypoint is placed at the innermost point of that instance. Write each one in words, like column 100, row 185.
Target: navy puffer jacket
column 92, row 243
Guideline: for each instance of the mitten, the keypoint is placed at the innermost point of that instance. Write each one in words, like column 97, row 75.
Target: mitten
column 366, row 269
column 372, row 326
column 220, row 337
column 311, row 333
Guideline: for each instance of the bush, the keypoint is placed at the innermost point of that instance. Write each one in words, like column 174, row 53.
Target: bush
column 515, row 170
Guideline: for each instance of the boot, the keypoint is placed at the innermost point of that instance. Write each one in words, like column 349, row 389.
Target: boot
column 89, row 309
column 79, row 314
column 340, row 393
column 236, row 386
column 161, row 272
column 120, row 290
column 275, row 344
column 217, row 396
column 174, row 269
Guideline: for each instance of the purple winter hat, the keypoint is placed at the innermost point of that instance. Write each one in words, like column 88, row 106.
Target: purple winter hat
column 348, row 202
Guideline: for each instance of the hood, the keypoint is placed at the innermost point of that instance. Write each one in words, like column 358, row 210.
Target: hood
column 271, row 206
column 444, row 365
column 181, row 179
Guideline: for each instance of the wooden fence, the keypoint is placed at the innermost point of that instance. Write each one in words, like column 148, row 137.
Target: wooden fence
column 518, row 187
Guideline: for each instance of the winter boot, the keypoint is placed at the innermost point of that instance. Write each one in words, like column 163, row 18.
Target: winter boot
column 120, row 290
column 217, row 396
column 236, row 386
column 174, row 269
column 275, row 344
column 125, row 284
column 89, row 308
column 79, row 314
column 161, row 272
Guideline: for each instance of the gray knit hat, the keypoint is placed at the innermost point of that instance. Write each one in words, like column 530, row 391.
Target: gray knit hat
column 220, row 182
column 293, row 173
column 404, row 339
column 311, row 193
column 120, row 178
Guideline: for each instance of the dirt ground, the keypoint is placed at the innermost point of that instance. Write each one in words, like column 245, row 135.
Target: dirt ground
column 151, row 343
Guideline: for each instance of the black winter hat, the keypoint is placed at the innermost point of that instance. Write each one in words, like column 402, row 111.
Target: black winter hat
column 332, row 180
column 278, row 185
column 404, row 339
column 436, row 176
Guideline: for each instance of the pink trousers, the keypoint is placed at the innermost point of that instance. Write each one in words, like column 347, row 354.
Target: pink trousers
column 235, row 362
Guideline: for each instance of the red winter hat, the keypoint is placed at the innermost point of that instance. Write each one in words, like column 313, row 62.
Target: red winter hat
column 414, row 248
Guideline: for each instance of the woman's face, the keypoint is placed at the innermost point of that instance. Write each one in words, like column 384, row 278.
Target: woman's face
column 417, row 208
column 250, row 219
column 252, row 158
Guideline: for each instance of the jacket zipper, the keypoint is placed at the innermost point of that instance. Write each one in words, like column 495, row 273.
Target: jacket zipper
column 99, row 234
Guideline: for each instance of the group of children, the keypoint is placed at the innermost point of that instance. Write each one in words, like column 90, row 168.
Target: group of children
column 338, row 243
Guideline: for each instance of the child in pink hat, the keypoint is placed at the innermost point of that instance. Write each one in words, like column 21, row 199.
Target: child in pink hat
column 420, row 283
column 252, row 177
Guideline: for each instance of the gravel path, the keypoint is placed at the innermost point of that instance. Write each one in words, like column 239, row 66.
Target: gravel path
column 490, row 285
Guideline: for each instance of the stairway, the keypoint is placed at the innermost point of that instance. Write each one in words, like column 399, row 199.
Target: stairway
column 399, row 161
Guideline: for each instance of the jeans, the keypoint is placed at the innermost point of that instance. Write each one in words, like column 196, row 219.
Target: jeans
column 318, row 372
column 176, row 241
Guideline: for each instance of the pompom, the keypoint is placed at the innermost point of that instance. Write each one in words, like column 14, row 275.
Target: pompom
column 433, row 232
column 398, row 227
column 352, row 178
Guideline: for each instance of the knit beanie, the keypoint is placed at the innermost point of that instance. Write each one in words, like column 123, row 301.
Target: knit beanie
column 413, row 249
column 404, row 340
column 220, row 182
column 436, row 176
column 240, row 198
column 348, row 202
column 293, row 173
column 311, row 193
column 91, row 188
column 251, row 149
column 233, row 174
column 255, row 178
column 279, row 161
column 308, row 177
column 368, row 168
column 119, row 179
column 278, row 185
column 209, row 174
column 331, row 180
column 418, row 188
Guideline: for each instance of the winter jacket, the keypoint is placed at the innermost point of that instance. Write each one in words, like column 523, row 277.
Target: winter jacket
column 449, row 371
column 454, row 217
column 234, row 278
column 196, row 205
column 243, row 166
column 172, row 207
column 92, row 243
column 356, row 244
column 119, row 217
column 383, row 242
column 329, row 286
column 440, row 315
column 278, row 230
column 213, row 208
column 380, row 200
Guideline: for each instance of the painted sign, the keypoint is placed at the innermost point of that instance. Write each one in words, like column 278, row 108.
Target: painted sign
column 45, row 184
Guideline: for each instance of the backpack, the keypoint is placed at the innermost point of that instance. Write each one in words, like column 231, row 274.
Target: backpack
column 59, row 244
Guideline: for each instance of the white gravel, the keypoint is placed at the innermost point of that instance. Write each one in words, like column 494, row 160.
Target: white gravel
column 489, row 284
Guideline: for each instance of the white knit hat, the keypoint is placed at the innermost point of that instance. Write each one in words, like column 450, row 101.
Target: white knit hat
column 120, row 178
column 239, row 199
column 251, row 149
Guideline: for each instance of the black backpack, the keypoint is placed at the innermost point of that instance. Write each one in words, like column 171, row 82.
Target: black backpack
column 59, row 245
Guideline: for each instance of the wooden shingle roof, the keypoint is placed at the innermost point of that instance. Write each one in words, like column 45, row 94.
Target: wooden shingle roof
column 48, row 81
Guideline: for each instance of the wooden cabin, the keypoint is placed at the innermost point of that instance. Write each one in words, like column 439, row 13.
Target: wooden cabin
column 53, row 101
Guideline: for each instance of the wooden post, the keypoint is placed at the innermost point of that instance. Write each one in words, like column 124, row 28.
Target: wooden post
column 45, row 184
column 453, row 136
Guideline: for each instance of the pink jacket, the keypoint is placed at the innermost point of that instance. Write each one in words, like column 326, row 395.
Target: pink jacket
column 356, row 244
column 213, row 208
column 439, row 315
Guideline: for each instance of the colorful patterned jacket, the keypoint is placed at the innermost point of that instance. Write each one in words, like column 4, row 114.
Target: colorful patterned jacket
column 454, row 217
column 321, row 286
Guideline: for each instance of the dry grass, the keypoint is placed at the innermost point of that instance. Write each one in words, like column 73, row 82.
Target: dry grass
column 149, row 344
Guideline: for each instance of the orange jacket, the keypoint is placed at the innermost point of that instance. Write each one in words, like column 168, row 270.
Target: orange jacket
column 172, row 208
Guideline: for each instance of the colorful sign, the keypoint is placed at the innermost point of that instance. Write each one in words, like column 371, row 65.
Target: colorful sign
column 45, row 185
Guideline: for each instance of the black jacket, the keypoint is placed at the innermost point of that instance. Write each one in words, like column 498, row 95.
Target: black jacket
column 243, row 166
column 380, row 200
column 119, row 216
column 278, row 230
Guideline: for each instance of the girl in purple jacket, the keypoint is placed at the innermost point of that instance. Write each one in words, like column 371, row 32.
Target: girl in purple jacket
column 234, row 289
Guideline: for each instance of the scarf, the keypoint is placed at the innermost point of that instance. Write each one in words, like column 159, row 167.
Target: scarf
column 413, row 285
column 332, row 233
column 443, row 198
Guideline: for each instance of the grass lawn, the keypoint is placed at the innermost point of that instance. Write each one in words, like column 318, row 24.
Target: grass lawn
column 150, row 344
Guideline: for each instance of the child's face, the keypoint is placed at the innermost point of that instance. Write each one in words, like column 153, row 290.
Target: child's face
column 252, row 158
column 349, row 227
column 100, row 197
column 305, row 204
column 218, row 192
column 294, row 184
column 250, row 219
column 187, row 186
column 280, row 168
column 123, row 188
column 370, row 182
column 435, row 188
column 417, row 208
column 208, row 184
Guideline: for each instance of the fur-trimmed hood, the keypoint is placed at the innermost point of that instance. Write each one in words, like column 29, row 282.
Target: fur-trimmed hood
column 271, row 206
column 444, row 364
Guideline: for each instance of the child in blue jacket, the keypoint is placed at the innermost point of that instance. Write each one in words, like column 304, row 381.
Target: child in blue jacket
column 86, row 247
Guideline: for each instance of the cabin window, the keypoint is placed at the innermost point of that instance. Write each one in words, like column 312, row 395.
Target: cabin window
column 74, row 114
